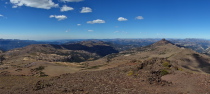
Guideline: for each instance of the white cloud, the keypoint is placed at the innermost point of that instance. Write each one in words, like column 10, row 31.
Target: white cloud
column 78, row 24
column 14, row 6
column 96, row 21
column 52, row 16
column 59, row 17
column 72, row 0
column 139, row 18
column 44, row 4
column 90, row 30
column 122, row 19
column 67, row 30
column 86, row 10
column 66, row 8
column 1, row 15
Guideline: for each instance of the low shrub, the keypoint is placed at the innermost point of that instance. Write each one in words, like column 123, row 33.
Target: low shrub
column 39, row 68
column 164, row 72
column 130, row 73
column 42, row 74
column 166, row 64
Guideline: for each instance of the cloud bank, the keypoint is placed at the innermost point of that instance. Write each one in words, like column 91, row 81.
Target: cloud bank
column 122, row 19
column 44, row 4
column 86, row 10
column 66, row 8
column 59, row 17
column 139, row 18
column 96, row 21
column 79, row 24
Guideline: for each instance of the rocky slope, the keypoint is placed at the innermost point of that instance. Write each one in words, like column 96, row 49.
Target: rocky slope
column 198, row 45
column 207, row 51
column 42, row 59
column 156, row 68
column 76, row 52
column 160, row 68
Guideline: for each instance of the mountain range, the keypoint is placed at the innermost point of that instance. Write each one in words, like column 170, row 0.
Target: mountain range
column 163, row 67
column 198, row 45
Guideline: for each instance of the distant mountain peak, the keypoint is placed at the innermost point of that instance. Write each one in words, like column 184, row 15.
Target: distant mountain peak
column 162, row 42
column 163, row 39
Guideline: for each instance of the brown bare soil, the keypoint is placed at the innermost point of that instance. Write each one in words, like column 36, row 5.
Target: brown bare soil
column 161, row 68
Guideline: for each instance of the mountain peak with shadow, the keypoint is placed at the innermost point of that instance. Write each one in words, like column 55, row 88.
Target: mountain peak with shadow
column 162, row 42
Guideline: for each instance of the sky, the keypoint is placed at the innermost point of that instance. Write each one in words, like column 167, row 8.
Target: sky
column 104, row 19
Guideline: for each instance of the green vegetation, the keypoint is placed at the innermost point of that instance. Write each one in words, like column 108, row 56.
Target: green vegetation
column 130, row 73
column 38, row 71
column 163, row 72
column 42, row 74
column 180, row 69
column 39, row 68
column 166, row 64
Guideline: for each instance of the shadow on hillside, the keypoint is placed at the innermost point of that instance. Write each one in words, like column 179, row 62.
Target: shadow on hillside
column 203, row 64
column 56, row 46
column 190, row 68
column 98, row 49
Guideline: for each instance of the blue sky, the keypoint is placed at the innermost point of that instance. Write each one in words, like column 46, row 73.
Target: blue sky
column 104, row 19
